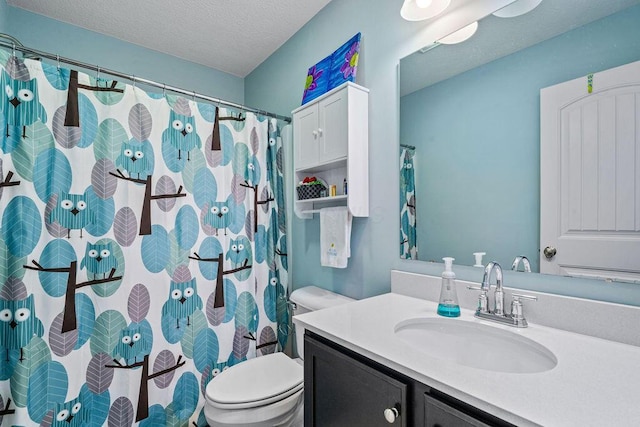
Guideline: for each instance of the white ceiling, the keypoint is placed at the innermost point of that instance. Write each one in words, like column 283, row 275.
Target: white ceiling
column 498, row 37
column 234, row 36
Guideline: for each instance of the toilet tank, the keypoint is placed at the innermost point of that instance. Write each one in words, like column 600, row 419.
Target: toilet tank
column 312, row 298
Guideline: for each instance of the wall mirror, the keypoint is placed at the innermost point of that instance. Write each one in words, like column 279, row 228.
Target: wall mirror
column 470, row 125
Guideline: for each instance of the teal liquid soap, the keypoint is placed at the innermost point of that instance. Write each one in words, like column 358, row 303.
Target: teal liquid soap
column 448, row 304
column 447, row 310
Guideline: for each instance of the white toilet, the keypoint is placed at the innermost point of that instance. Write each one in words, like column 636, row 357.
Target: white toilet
column 267, row 390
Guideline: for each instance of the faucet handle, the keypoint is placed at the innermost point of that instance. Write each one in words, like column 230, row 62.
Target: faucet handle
column 480, row 288
column 516, row 307
column 518, row 296
column 483, row 301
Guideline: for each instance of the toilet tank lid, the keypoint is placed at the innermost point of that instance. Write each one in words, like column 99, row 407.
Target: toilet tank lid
column 315, row 298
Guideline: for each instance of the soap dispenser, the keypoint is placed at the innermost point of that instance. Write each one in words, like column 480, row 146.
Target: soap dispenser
column 448, row 305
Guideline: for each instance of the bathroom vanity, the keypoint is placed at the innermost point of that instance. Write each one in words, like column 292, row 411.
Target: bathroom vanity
column 369, row 357
column 343, row 388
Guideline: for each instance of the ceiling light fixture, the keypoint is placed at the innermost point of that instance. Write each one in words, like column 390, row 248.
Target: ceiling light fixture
column 418, row 10
column 517, row 8
column 461, row 35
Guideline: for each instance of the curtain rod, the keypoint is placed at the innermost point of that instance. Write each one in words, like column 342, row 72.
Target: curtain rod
column 17, row 46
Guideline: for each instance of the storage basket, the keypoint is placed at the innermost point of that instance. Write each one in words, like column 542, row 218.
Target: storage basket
column 309, row 191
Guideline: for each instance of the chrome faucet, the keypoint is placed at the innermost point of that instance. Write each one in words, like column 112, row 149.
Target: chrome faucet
column 516, row 318
column 525, row 263
column 486, row 286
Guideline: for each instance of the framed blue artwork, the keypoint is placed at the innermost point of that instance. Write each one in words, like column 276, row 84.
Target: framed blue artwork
column 317, row 80
column 332, row 71
column 344, row 63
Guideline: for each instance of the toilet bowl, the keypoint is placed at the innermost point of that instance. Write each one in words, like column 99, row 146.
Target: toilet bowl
column 266, row 390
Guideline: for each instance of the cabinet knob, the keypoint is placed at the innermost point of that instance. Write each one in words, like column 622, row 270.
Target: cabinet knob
column 390, row 414
column 320, row 131
column 315, row 134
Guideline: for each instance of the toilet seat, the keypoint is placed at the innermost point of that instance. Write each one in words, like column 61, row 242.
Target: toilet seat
column 256, row 403
column 286, row 412
column 273, row 378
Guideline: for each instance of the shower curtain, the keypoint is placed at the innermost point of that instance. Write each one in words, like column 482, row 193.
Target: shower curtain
column 408, row 244
column 142, row 249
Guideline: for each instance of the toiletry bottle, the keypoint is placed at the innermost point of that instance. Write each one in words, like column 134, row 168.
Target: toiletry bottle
column 344, row 186
column 478, row 256
column 448, row 305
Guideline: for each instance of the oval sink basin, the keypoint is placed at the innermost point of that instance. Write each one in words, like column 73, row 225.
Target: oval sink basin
column 476, row 345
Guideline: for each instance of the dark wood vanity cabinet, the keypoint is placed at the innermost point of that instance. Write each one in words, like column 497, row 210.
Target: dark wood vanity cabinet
column 343, row 388
column 342, row 391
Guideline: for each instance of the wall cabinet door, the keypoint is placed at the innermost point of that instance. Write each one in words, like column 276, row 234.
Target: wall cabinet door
column 333, row 127
column 306, row 137
column 340, row 391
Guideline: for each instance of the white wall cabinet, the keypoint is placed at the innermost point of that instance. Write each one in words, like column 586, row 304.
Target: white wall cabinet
column 331, row 142
column 321, row 131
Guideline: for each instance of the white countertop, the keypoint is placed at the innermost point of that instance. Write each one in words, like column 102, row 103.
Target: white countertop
column 595, row 383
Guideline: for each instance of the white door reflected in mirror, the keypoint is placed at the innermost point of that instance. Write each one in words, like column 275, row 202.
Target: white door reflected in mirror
column 589, row 171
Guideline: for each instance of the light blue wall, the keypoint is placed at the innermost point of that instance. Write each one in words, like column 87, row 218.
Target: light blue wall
column 56, row 37
column 277, row 84
column 3, row 16
column 478, row 133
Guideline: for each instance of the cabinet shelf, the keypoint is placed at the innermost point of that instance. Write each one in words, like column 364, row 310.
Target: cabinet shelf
column 307, row 207
column 338, row 163
column 322, row 199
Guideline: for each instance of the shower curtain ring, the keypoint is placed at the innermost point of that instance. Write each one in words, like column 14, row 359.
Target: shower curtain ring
column 164, row 89
column 13, row 49
column 97, row 73
column 58, row 61
column 194, row 96
column 133, row 78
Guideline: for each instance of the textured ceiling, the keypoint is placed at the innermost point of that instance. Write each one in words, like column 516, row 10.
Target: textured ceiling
column 233, row 36
column 498, row 37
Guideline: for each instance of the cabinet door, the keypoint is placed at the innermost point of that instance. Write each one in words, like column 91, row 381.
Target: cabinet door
column 439, row 414
column 306, row 137
column 333, row 126
column 340, row 391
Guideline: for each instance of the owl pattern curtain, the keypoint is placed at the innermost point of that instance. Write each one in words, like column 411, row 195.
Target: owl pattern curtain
column 142, row 248
column 408, row 244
